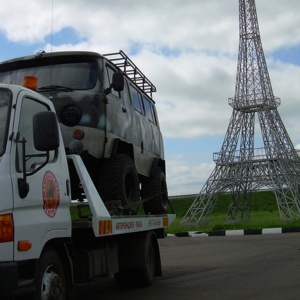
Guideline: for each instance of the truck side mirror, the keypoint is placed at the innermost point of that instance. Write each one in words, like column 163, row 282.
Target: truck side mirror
column 45, row 131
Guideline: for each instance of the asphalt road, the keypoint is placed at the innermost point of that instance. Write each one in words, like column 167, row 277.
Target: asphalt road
column 231, row 267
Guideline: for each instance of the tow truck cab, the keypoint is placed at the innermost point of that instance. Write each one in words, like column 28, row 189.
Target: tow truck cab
column 34, row 181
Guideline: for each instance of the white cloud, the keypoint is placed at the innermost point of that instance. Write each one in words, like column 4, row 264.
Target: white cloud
column 285, row 81
column 193, row 24
column 279, row 23
column 184, row 177
column 25, row 21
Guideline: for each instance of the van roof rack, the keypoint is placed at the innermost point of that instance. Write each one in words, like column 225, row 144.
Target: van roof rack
column 122, row 61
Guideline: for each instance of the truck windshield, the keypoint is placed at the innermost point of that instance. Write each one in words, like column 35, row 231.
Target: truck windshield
column 72, row 76
column 5, row 101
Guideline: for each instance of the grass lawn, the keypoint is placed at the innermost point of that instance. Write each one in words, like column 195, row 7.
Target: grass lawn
column 263, row 214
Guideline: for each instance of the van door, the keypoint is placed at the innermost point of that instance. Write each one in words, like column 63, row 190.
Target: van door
column 118, row 118
column 156, row 145
column 42, row 214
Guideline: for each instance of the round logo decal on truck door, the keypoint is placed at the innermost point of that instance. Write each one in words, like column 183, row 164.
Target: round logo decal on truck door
column 51, row 196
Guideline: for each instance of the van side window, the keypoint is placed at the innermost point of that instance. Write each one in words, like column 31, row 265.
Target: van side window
column 28, row 110
column 110, row 71
column 136, row 100
column 150, row 112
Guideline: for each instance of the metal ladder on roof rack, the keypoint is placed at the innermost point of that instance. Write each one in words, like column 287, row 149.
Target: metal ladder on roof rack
column 122, row 61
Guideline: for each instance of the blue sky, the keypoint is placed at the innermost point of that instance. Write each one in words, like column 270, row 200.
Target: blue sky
column 288, row 55
column 188, row 49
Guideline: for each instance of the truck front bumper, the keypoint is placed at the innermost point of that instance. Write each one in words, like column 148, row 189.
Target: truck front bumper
column 9, row 281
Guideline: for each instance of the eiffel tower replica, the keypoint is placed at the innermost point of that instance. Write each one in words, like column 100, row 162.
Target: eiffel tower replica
column 241, row 168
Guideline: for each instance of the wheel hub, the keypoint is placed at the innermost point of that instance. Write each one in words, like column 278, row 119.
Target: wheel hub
column 52, row 286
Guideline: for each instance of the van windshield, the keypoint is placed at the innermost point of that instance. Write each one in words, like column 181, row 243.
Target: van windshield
column 74, row 76
column 5, row 101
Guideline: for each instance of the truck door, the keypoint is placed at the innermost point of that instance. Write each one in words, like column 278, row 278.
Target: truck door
column 6, row 199
column 43, row 213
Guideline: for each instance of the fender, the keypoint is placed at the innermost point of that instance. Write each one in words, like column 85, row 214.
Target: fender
column 122, row 147
column 158, row 162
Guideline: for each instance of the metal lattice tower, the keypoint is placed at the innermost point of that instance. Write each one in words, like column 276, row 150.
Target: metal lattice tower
column 240, row 167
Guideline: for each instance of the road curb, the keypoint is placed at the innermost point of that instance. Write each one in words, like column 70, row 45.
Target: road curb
column 236, row 232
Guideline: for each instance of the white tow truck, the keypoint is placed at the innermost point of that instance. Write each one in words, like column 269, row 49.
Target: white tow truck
column 44, row 252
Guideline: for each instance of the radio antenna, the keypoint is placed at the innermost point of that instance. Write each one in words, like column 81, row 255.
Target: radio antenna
column 51, row 39
column 51, row 42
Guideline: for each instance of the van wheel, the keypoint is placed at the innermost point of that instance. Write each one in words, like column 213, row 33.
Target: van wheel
column 156, row 186
column 119, row 181
column 51, row 280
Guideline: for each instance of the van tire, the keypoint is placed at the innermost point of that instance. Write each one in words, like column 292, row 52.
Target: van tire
column 156, row 186
column 119, row 180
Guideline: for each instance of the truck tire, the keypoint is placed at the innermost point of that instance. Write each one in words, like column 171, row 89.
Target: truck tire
column 156, row 186
column 142, row 277
column 146, row 274
column 139, row 260
column 119, row 180
column 51, row 280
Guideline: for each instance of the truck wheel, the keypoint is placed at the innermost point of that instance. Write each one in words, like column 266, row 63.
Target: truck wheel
column 146, row 274
column 142, row 277
column 139, row 260
column 155, row 186
column 51, row 281
column 119, row 180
